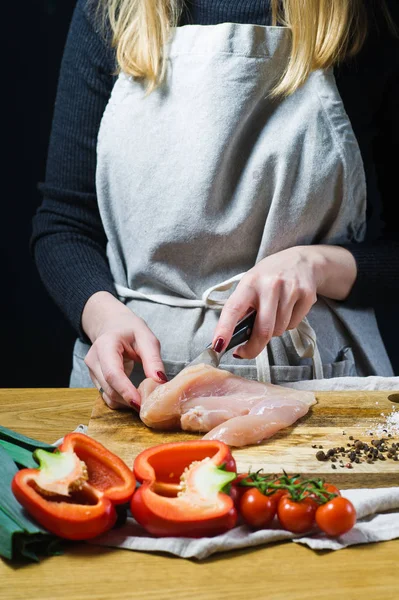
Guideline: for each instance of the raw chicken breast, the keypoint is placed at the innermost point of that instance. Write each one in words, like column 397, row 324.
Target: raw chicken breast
column 229, row 408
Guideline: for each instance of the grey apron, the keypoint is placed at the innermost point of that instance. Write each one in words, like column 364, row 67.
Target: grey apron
column 208, row 175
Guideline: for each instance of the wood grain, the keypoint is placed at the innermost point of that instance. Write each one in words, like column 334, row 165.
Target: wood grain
column 279, row 572
column 45, row 414
column 355, row 413
column 95, row 573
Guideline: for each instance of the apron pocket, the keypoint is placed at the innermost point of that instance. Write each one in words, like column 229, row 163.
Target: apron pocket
column 249, row 371
column 344, row 366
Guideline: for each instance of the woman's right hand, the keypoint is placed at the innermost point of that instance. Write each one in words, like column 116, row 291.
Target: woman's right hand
column 119, row 339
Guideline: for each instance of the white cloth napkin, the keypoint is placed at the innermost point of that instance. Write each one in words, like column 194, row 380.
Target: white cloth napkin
column 378, row 520
column 336, row 384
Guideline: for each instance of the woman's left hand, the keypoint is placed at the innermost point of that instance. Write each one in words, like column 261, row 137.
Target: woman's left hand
column 282, row 288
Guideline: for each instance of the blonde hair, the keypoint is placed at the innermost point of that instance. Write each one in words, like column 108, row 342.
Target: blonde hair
column 323, row 33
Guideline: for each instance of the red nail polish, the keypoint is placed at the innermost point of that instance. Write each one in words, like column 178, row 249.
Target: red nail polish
column 237, row 356
column 135, row 405
column 161, row 375
column 218, row 345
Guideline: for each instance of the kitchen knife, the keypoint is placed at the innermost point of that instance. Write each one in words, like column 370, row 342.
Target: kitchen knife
column 241, row 334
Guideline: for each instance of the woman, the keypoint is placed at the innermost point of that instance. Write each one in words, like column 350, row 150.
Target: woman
column 221, row 154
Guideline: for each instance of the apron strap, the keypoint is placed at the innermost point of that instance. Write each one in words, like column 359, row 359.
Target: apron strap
column 205, row 302
column 263, row 366
column 303, row 337
column 305, row 343
column 125, row 292
column 220, row 287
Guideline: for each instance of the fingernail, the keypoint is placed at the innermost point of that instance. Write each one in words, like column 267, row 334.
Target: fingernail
column 135, row 405
column 237, row 356
column 162, row 377
column 218, row 345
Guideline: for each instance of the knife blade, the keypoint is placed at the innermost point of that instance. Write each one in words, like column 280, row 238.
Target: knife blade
column 241, row 334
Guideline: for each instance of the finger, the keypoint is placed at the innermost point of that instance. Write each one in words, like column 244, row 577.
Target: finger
column 108, row 401
column 285, row 307
column 148, row 348
column 299, row 312
column 128, row 365
column 110, row 396
column 111, row 374
column 240, row 302
column 263, row 327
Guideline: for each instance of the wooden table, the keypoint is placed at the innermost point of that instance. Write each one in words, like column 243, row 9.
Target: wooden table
column 280, row 571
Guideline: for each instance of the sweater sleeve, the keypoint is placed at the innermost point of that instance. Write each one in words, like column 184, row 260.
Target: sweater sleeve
column 68, row 242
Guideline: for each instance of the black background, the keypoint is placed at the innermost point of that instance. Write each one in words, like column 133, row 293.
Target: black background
column 36, row 339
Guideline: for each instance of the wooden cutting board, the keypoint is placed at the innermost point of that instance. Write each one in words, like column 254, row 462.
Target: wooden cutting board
column 329, row 423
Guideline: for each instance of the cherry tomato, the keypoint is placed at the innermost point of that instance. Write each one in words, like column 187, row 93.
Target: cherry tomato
column 297, row 517
column 276, row 496
column 336, row 516
column 237, row 491
column 256, row 509
column 313, row 501
column 329, row 487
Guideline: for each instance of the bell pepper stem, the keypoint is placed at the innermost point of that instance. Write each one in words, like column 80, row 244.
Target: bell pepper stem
column 59, row 472
column 209, row 479
column 56, row 465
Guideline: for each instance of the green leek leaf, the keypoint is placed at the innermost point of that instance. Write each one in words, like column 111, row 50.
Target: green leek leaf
column 8, row 435
column 20, row 456
column 20, row 535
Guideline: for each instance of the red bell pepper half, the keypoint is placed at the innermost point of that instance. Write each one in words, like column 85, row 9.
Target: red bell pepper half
column 74, row 490
column 181, row 492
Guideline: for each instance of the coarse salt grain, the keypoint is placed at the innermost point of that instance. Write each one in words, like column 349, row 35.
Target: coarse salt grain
column 391, row 424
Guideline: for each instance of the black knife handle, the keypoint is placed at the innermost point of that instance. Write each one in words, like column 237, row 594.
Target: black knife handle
column 242, row 331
